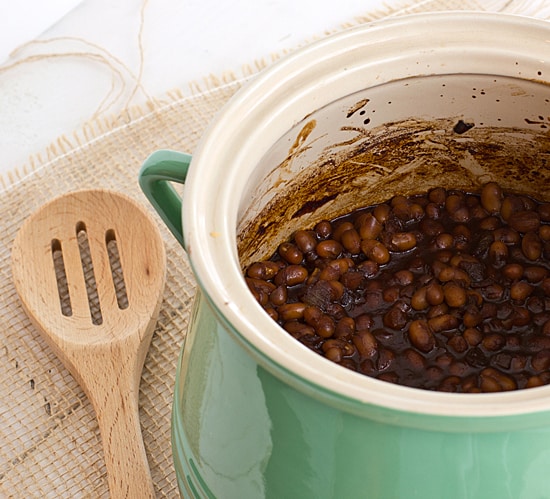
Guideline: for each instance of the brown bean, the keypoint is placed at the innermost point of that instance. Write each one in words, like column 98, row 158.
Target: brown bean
column 290, row 253
column 403, row 241
column 510, row 204
column 345, row 328
column 513, row 271
column 263, row 270
column 329, row 248
column 433, row 212
column 455, row 295
column 519, row 291
column 458, row 211
column 363, row 322
column 391, row 294
column 453, row 274
column 325, row 326
column 366, row 343
column 404, row 277
column 381, row 212
column 279, row 295
column 445, row 322
column 507, row 235
column 385, row 359
column 444, row 241
column 291, row 275
column 298, row 329
column 531, row 246
column 437, row 310
column 544, row 232
column 421, row 336
column 437, row 195
column 312, row 314
column 419, row 300
column 524, row 221
column 544, row 212
column 458, row 343
column 491, row 197
column 498, row 253
column 339, row 230
column 473, row 336
column 535, row 274
column 292, row 311
column 415, row 360
column 323, row 229
column 375, row 251
column 541, row 361
column 492, row 380
column 305, row 240
column 395, row 318
column 368, row 226
column 351, row 241
column 493, row 342
column 534, row 381
column 489, row 223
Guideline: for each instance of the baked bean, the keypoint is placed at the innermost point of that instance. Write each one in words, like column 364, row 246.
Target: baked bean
column 519, row 291
column 395, row 318
column 513, row 271
column 493, row 342
column 415, row 360
column 351, row 241
column 375, row 250
column 329, row 248
column 507, row 235
column 381, row 212
column 345, row 328
column 325, row 326
column 524, row 221
column 458, row 343
column 421, row 335
column 531, row 246
column 473, row 336
column 455, row 295
column 305, row 240
column 290, row 253
column 419, row 300
column 510, row 204
column 340, row 229
column 492, row 380
column 292, row 311
column 544, row 232
column 263, row 270
column 535, row 274
column 403, row 241
column 444, row 322
column 298, row 329
column 491, row 197
column 323, row 229
column 489, row 223
column 368, row 226
column 498, row 253
column 291, row 275
column 366, row 343
column 279, row 295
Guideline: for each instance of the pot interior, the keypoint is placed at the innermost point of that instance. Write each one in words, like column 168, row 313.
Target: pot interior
column 401, row 137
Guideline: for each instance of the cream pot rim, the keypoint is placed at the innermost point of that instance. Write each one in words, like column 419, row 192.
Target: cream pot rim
column 281, row 96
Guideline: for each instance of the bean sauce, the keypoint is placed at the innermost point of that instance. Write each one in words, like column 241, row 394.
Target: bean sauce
column 446, row 291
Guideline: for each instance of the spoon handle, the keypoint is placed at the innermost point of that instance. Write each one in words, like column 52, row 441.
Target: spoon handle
column 128, row 471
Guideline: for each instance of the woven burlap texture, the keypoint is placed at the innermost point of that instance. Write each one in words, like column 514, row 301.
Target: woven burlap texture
column 50, row 445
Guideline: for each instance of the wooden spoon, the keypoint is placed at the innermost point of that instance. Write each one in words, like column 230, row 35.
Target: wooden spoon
column 89, row 268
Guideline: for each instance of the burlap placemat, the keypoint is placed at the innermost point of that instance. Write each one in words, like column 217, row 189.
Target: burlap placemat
column 49, row 439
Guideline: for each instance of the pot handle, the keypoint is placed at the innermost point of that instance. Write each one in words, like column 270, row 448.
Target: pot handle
column 160, row 168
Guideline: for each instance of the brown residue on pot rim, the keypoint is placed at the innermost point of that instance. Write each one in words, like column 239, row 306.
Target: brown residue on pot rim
column 404, row 157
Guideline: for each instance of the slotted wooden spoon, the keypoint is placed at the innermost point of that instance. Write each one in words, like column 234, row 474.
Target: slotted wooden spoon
column 89, row 268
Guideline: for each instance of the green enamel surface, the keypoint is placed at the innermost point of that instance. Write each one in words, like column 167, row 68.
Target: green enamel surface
column 239, row 431
column 156, row 173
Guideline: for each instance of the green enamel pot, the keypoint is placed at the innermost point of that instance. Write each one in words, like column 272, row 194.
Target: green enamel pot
column 393, row 107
